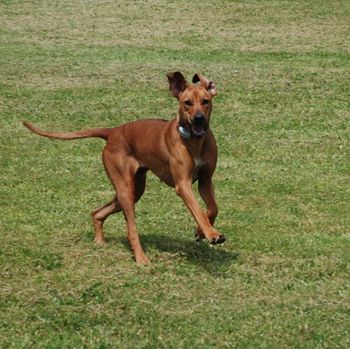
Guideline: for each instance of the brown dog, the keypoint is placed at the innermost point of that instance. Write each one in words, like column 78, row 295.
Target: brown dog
column 179, row 152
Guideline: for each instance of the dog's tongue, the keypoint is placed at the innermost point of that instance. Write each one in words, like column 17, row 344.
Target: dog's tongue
column 198, row 130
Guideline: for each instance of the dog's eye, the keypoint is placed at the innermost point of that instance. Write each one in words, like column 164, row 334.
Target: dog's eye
column 205, row 101
column 188, row 103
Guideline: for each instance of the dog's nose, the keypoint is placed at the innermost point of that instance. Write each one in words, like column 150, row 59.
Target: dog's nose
column 199, row 118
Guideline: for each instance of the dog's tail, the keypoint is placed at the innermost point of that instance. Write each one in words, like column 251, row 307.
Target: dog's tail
column 94, row 132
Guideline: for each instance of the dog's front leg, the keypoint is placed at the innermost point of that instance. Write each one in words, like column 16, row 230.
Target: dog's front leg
column 206, row 191
column 184, row 190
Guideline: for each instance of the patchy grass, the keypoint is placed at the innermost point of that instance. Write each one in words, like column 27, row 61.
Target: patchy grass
column 281, row 120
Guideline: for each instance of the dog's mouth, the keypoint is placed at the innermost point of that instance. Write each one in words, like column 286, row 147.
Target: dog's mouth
column 194, row 128
column 198, row 130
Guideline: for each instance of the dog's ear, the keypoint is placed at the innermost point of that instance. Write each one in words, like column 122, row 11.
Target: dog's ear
column 208, row 84
column 177, row 83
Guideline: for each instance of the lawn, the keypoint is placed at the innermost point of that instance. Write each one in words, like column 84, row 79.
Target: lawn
column 282, row 124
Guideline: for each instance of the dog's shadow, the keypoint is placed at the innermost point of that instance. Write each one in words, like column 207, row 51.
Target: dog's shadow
column 213, row 259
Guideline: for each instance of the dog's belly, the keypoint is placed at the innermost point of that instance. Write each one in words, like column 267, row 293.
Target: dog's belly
column 164, row 174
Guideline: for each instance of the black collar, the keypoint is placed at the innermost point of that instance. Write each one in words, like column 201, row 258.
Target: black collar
column 184, row 130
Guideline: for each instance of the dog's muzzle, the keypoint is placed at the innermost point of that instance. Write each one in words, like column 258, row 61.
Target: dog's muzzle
column 199, row 125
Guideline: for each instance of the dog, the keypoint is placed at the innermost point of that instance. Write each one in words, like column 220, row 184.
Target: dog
column 180, row 152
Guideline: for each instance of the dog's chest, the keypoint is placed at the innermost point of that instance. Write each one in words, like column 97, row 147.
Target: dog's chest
column 198, row 164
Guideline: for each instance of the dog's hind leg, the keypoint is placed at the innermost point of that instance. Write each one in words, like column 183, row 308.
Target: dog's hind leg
column 129, row 181
column 100, row 215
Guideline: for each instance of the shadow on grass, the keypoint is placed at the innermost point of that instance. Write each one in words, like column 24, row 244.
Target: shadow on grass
column 214, row 259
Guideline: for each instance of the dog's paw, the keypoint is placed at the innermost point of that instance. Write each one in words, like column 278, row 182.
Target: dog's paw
column 142, row 259
column 100, row 242
column 218, row 240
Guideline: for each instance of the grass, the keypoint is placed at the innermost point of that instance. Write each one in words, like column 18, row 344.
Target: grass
column 281, row 120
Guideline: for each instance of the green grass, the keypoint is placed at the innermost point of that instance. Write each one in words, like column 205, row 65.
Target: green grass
column 282, row 122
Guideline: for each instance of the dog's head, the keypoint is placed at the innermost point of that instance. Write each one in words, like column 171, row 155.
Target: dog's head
column 195, row 102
